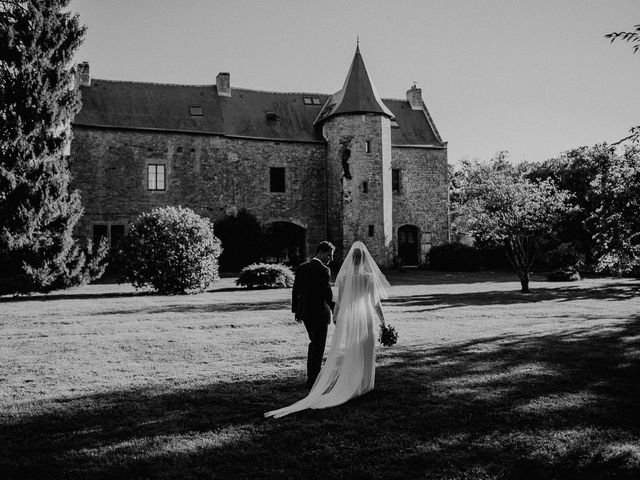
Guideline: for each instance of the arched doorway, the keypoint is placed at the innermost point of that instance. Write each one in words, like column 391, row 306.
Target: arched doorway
column 409, row 244
column 285, row 242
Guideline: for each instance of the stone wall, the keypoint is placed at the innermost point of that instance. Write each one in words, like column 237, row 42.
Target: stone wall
column 423, row 199
column 213, row 175
column 356, row 211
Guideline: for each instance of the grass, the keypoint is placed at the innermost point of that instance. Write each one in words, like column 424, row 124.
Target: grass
column 484, row 383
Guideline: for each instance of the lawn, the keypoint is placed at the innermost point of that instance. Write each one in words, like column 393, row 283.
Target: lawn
column 485, row 383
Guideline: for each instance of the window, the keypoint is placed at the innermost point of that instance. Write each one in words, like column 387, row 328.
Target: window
column 307, row 100
column 316, row 101
column 371, row 230
column 367, row 146
column 272, row 116
column 365, row 187
column 395, row 180
column 156, row 176
column 195, row 110
column 276, row 179
column 99, row 232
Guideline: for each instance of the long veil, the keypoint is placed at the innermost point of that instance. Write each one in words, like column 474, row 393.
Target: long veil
column 349, row 369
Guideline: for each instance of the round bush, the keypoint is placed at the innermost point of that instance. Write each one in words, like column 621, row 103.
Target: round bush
column 266, row 275
column 564, row 275
column 172, row 250
column 454, row 257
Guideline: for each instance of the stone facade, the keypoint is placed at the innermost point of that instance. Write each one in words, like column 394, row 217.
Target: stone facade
column 422, row 199
column 212, row 175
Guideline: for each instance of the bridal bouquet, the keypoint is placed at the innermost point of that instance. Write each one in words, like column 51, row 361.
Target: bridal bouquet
column 388, row 335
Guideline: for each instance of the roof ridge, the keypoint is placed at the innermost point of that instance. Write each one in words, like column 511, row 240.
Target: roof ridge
column 151, row 83
column 164, row 84
column 279, row 93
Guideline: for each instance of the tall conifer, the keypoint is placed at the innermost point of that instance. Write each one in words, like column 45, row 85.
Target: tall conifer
column 38, row 99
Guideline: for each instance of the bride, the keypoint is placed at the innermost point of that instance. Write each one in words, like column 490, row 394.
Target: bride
column 349, row 370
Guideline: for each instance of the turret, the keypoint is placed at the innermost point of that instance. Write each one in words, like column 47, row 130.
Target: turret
column 357, row 127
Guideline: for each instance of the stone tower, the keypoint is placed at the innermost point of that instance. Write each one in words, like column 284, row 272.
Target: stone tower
column 357, row 127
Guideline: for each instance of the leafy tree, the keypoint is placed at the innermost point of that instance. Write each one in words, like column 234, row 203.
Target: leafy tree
column 502, row 207
column 575, row 171
column 172, row 250
column 616, row 222
column 37, row 103
column 241, row 236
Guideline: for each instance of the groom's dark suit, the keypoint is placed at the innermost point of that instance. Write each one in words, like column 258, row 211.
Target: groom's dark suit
column 312, row 303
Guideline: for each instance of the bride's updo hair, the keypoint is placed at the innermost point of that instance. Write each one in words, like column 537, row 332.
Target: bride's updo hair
column 357, row 257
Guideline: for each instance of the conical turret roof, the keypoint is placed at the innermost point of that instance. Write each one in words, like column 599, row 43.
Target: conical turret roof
column 358, row 95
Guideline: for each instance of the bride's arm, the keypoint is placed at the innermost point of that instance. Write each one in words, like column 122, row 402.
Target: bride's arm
column 378, row 309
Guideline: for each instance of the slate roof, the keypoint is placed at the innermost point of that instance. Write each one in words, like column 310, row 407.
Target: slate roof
column 162, row 107
column 358, row 94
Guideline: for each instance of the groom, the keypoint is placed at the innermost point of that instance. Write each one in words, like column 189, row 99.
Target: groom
column 312, row 303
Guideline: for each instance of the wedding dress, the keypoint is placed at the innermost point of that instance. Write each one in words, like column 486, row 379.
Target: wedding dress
column 349, row 370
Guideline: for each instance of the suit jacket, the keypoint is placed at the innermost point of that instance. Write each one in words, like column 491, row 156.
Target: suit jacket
column 312, row 297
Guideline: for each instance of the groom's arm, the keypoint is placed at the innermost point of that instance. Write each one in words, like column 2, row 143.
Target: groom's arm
column 295, row 294
column 328, row 291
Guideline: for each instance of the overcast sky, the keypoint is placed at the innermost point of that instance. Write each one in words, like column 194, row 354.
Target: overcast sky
column 534, row 77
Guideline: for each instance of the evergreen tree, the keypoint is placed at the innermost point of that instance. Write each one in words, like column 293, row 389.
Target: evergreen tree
column 38, row 99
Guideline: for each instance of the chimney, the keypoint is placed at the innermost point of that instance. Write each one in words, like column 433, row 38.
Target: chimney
column 223, row 83
column 82, row 74
column 414, row 97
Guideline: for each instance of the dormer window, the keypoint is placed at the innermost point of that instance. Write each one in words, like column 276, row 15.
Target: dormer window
column 272, row 116
column 195, row 110
column 311, row 100
column 316, row 101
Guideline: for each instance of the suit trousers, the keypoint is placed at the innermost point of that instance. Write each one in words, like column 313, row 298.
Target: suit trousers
column 317, row 330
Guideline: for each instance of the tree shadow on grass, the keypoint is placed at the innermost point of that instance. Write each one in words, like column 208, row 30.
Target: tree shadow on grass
column 47, row 297
column 438, row 301
column 204, row 308
column 560, row 406
column 432, row 277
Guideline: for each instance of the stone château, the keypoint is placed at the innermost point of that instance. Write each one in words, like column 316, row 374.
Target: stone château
column 310, row 166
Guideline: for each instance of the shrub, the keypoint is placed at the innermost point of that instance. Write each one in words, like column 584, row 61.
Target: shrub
column 266, row 275
column 172, row 250
column 454, row 257
column 564, row 275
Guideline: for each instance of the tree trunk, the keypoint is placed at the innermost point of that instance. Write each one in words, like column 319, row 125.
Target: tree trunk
column 517, row 255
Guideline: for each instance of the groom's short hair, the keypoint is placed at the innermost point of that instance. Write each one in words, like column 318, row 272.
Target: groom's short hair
column 325, row 247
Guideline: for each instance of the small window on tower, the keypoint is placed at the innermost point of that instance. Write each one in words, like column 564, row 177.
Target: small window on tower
column 371, row 230
column 367, row 146
column 395, row 180
column 276, row 179
column 365, row 187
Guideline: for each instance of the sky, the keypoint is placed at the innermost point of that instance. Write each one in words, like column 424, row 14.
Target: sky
column 533, row 77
